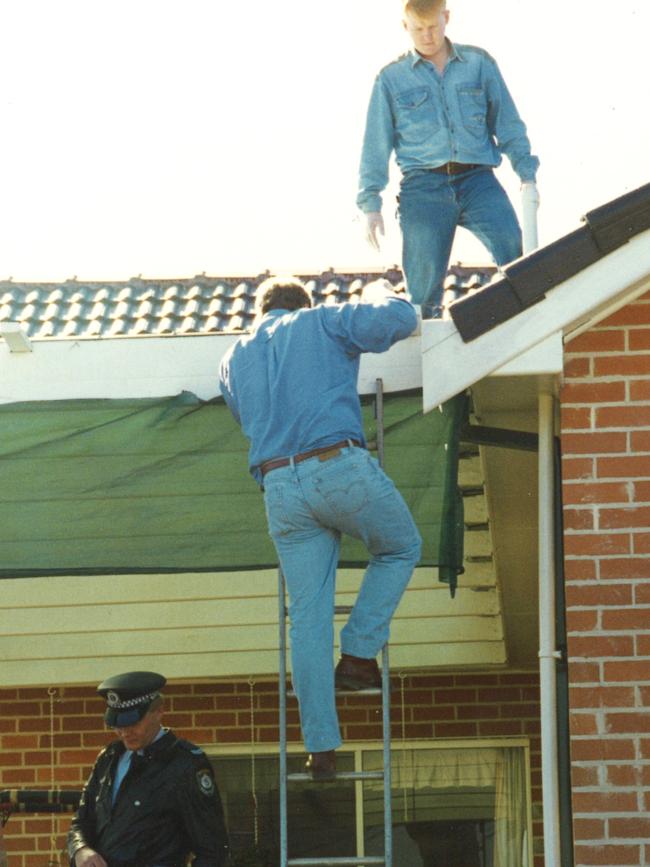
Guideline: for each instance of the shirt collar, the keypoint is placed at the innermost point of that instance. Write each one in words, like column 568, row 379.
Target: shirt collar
column 454, row 54
column 276, row 311
column 266, row 319
column 161, row 732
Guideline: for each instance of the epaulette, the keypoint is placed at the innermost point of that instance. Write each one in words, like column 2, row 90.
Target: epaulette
column 476, row 49
column 190, row 747
column 399, row 59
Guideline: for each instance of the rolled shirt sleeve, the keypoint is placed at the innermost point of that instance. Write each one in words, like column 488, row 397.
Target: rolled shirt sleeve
column 371, row 326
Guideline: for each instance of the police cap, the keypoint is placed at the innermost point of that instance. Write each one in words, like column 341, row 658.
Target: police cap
column 129, row 696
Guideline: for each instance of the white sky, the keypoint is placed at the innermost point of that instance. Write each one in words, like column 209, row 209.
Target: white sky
column 173, row 137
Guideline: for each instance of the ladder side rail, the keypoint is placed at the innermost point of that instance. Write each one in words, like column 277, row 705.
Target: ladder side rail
column 282, row 689
column 388, row 817
column 385, row 670
column 379, row 418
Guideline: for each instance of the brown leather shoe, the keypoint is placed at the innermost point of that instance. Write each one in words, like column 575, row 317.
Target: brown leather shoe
column 352, row 672
column 321, row 766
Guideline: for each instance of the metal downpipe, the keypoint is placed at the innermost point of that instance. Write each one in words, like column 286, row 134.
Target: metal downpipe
column 548, row 652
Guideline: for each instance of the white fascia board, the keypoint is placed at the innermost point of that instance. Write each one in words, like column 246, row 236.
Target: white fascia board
column 145, row 367
column 114, row 368
column 545, row 358
column 449, row 365
column 399, row 369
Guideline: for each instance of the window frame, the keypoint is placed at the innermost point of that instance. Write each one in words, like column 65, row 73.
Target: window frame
column 256, row 749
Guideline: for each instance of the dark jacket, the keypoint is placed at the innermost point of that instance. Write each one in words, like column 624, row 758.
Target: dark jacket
column 167, row 806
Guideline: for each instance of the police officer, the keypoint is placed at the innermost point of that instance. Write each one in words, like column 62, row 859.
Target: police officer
column 151, row 798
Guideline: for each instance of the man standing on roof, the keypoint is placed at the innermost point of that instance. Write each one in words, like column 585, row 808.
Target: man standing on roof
column 151, row 798
column 446, row 112
column 292, row 385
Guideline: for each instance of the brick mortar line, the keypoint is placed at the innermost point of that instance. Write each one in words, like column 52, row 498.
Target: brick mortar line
column 605, row 582
column 614, row 763
column 623, row 504
column 605, row 633
column 603, row 404
column 616, row 736
column 613, row 658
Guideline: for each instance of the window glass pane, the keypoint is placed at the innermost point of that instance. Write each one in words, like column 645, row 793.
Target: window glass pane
column 453, row 807
column 460, row 807
column 251, row 803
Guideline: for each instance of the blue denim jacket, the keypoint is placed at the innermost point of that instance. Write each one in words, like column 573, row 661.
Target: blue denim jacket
column 465, row 115
column 292, row 382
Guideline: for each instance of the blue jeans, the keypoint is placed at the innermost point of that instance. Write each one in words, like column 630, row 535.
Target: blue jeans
column 431, row 205
column 308, row 506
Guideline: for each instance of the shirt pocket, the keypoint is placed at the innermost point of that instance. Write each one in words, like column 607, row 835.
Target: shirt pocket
column 472, row 102
column 416, row 114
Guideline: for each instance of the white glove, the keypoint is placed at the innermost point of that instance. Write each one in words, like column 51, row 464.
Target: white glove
column 378, row 290
column 374, row 224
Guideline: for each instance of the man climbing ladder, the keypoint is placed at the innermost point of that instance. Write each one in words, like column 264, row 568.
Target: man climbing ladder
column 292, row 385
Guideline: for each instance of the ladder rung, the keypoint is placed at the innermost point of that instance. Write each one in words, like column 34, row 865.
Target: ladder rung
column 338, row 609
column 369, row 859
column 371, row 690
column 340, row 775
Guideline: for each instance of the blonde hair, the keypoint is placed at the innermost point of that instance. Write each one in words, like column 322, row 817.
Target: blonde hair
column 420, row 8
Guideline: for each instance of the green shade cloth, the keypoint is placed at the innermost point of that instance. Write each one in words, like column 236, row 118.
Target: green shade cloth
column 162, row 485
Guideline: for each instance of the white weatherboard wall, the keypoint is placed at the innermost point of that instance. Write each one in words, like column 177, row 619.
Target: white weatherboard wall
column 68, row 630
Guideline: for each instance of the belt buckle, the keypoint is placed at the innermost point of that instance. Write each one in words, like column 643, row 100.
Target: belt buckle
column 329, row 454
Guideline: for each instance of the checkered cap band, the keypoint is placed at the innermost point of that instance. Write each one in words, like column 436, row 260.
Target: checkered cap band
column 114, row 701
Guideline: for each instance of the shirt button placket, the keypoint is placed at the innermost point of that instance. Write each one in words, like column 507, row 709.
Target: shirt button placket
column 450, row 123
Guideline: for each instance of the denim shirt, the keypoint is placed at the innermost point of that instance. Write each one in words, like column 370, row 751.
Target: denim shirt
column 292, row 382
column 464, row 115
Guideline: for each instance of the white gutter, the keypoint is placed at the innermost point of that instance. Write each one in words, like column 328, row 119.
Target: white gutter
column 547, row 649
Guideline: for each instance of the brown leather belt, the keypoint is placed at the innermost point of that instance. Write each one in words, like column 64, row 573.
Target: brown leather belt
column 456, row 168
column 325, row 453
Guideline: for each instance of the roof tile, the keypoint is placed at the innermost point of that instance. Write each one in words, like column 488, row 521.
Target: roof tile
column 201, row 305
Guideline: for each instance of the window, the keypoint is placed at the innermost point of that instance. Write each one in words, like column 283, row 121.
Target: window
column 461, row 805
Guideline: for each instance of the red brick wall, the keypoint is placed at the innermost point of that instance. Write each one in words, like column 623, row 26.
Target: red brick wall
column 606, row 490
column 440, row 706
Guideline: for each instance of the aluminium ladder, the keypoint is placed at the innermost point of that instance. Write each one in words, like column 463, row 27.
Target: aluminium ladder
column 387, row 858
column 304, row 777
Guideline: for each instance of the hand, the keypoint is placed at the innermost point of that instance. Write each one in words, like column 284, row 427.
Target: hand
column 378, row 290
column 87, row 857
column 374, row 224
